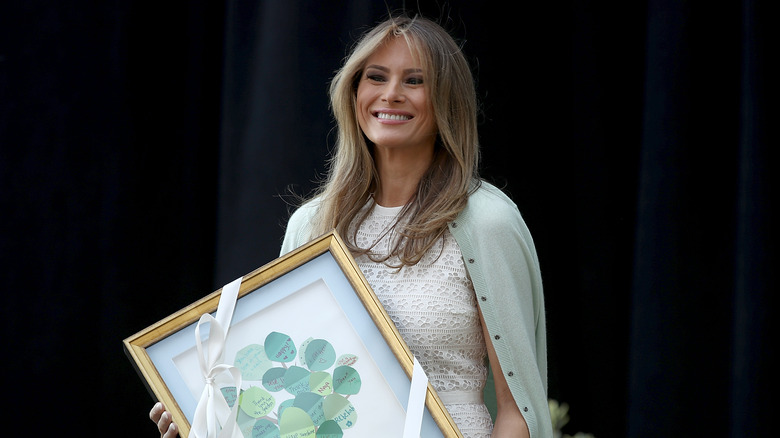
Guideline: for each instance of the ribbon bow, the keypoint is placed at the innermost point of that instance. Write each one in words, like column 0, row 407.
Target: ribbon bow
column 213, row 416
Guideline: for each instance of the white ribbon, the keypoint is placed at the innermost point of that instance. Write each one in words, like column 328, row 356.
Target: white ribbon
column 416, row 405
column 213, row 416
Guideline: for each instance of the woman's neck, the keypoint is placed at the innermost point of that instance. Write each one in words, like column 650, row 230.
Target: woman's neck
column 399, row 175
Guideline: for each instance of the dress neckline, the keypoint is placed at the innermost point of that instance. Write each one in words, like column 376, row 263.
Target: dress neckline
column 387, row 211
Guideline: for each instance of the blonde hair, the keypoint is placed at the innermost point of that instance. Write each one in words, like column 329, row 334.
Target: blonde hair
column 352, row 176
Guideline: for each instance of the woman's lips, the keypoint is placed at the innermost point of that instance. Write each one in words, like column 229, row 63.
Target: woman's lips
column 383, row 115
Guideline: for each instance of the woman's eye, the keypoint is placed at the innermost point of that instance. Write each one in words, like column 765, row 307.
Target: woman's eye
column 379, row 77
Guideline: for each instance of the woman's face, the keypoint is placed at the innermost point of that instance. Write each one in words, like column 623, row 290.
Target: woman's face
column 392, row 106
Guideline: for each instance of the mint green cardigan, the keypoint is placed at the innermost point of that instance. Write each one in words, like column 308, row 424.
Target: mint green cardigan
column 502, row 263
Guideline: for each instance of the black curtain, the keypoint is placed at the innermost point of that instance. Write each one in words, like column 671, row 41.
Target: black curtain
column 148, row 155
column 109, row 135
column 703, row 282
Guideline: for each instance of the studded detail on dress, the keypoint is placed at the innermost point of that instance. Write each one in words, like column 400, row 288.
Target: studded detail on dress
column 434, row 307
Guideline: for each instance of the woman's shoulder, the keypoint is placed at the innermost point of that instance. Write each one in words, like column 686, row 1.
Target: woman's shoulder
column 491, row 211
column 305, row 210
column 299, row 225
column 490, row 201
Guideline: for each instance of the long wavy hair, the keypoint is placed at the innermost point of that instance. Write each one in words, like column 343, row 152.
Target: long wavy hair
column 352, row 176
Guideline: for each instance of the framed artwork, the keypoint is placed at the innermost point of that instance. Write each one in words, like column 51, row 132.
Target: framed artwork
column 316, row 350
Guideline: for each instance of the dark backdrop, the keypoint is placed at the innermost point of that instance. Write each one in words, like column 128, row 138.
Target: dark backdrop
column 147, row 152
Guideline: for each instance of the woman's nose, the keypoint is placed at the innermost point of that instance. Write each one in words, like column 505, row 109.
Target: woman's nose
column 393, row 92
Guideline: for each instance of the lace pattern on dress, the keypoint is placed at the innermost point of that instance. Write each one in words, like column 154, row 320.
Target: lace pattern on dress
column 434, row 308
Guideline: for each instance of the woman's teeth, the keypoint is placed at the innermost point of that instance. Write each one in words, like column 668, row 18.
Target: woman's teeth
column 392, row 116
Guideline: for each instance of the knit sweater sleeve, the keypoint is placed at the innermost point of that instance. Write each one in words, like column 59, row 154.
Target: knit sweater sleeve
column 299, row 227
column 504, row 268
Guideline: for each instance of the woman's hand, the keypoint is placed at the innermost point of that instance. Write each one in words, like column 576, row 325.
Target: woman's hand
column 164, row 421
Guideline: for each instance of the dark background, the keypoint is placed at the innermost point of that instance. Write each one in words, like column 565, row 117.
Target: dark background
column 147, row 150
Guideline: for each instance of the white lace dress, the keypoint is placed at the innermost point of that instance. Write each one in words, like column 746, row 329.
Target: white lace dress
column 435, row 309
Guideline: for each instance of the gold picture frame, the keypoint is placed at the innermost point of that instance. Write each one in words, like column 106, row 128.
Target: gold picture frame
column 314, row 291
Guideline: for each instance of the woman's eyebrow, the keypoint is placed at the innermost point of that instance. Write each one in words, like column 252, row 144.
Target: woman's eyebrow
column 385, row 69
column 377, row 67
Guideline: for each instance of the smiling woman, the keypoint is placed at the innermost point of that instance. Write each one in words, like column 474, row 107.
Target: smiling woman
column 447, row 254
